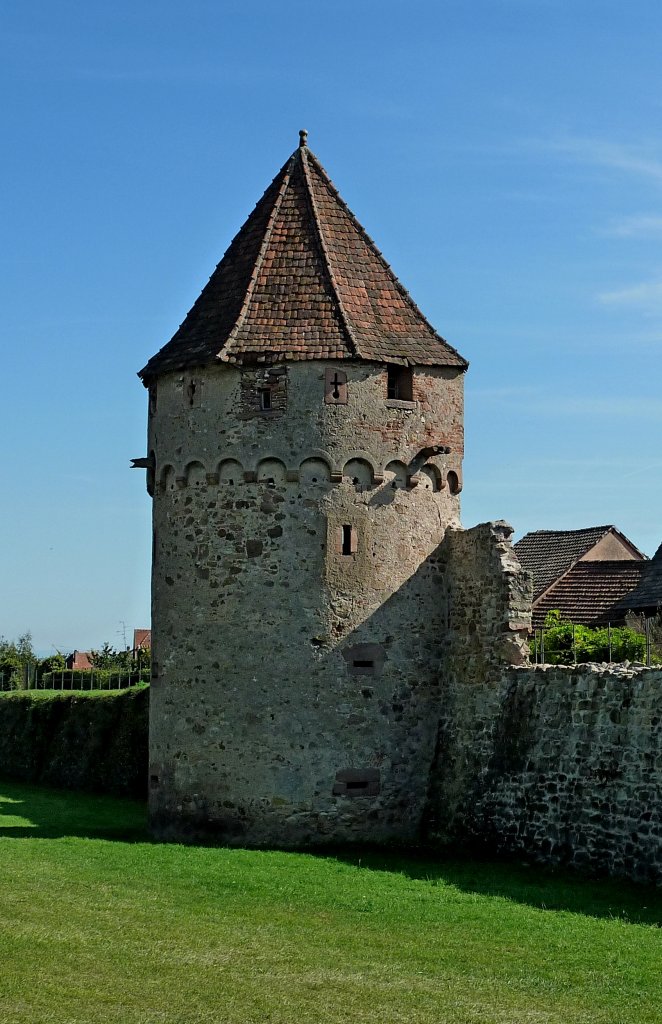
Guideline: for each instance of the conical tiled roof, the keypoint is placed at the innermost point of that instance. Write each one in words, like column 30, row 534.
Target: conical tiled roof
column 302, row 280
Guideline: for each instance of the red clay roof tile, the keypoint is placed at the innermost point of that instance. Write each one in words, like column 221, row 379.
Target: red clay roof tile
column 547, row 554
column 303, row 280
column 592, row 593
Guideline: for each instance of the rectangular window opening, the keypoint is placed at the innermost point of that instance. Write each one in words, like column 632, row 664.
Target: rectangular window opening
column 363, row 664
column 353, row 782
column 265, row 399
column 399, row 385
column 347, row 540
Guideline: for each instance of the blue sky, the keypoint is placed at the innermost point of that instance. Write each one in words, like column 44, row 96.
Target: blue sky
column 506, row 155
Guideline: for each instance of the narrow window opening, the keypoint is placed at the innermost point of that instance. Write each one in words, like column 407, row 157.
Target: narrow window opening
column 347, row 540
column 190, row 391
column 335, row 386
column 363, row 664
column 357, row 784
column 399, row 385
column 265, row 399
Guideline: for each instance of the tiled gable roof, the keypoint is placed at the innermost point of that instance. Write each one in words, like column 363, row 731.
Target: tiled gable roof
column 592, row 593
column 302, row 280
column 647, row 596
column 547, row 554
column 142, row 638
column 79, row 660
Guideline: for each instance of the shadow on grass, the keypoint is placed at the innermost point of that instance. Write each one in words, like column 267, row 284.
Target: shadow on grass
column 40, row 813
column 537, row 886
column 31, row 812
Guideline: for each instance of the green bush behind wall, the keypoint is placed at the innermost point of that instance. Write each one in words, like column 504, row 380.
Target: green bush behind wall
column 91, row 679
column 89, row 741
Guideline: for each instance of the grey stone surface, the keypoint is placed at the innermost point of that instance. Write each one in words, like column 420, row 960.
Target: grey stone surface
column 554, row 765
column 336, row 659
column 264, row 628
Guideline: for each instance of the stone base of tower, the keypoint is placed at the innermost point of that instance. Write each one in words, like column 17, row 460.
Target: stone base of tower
column 267, row 827
column 327, row 757
column 338, row 744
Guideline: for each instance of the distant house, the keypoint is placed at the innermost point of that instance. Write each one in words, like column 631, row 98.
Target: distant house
column 585, row 574
column 79, row 660
column 646, row 597
column 142, row 640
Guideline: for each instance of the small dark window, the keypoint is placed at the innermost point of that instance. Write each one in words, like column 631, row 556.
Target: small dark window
column 399, row 383
column 363, row 664
column 191, row 388
column 357, row 782
column 347, row 540
column 265, row 399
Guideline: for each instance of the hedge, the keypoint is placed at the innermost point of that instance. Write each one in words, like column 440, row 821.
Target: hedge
column 88, row 741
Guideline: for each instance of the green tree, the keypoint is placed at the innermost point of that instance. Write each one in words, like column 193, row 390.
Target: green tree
column 109, row 657
column 17, row 659
column 53, row 663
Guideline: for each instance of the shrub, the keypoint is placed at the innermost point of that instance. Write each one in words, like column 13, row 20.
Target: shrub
column 89, row 741
column 91, row 679
column 566, row 643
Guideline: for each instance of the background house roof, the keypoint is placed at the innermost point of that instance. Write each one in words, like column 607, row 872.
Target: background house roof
column 79, row 660
column 592, row 593
column 142, row 638
column 647, row 595
column 303, row 280
column 548, row 554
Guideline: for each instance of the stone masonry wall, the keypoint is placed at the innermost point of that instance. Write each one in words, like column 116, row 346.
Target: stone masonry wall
column 488, row 601
column 557, row 765
column 295, row 600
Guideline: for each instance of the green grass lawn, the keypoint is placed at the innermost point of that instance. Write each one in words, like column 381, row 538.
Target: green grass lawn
column 99, row 924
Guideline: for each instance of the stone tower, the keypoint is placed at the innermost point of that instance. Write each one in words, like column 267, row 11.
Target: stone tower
column 305, row 452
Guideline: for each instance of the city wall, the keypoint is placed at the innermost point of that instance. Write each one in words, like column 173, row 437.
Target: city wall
column 553, row 765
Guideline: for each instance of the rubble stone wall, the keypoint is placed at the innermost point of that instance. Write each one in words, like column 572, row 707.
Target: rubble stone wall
column 550, row 764
column 556, row 765
column 488, row 601
column 295, row 600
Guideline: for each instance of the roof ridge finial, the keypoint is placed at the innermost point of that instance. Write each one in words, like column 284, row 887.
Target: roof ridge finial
column 303, row 138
